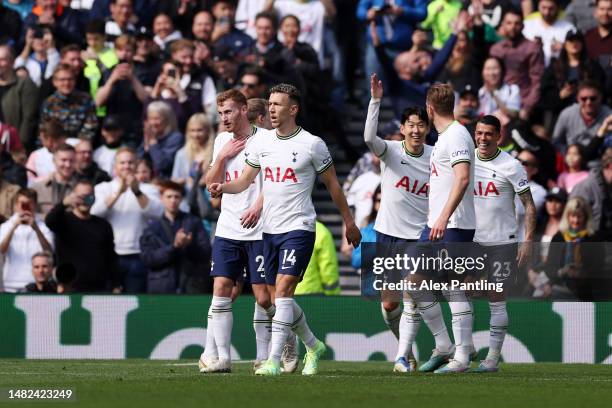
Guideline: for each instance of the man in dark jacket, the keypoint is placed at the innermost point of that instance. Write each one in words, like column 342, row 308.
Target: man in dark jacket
column 85, row 167
column 175, row 248
column 85, row 241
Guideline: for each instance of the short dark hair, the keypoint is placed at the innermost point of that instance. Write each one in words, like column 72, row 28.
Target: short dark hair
column 69, row 48
column 502, row 66
column 255, row 71
column 513, row 10
column 415, row 110
column 64, row 147
column 490, row 120
column 590, row 84
column 52, row 128
column 27, row 193
column 96, row 26
column 290, row 90
column 270, row 15
column 297, row 20
column 63, row 67
column 84, row 181
column 170, row 185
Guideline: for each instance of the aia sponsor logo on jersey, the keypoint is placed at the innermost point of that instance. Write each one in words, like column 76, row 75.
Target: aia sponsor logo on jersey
column 228, row 176
column 480, row 189
column 415, row 187
column 434, row 171
column 278, row 175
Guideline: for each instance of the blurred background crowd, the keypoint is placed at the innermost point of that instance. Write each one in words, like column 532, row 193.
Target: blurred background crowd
column 108, row 118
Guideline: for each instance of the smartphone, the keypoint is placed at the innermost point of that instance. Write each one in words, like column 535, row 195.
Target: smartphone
column 89, row 199
column 26, row 207
column 172, row 73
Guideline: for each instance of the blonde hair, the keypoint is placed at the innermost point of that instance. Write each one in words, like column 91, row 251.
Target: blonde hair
column 191, row 148
column 574, row 205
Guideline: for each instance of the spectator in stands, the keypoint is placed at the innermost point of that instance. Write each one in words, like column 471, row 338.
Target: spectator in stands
column 252, row 83
column 523, row 60
column 202, row 27
column 39, row 56
column 112, row 134
column 168, row 90
column 258, row 113
column 197, row 152
column 143, row 12
column 440, row 16
column 322, row 276
column 360, row 194
column 98, row 57
column 548, row 29
column 85, row 241
column 163, row 27
column 402, row 17
column 496, row 97
column 65, row 22
column 127, row 204
column 75, row 110
column 571, row 267
column 144, row 171
column 175, row 248
column 161, row 138
column 467, row 109
column 85, row 166
column 69, row 55
column 10, row 171
column 575, row 173
column 225, row 67
column 42, row 271
column 8, row 192
column 580, row 122
column 16, row 99
column 181, row 12
column 146, row 60
column 268, row 53
column 60, row 183
column 599, row 39
column 120, row 20
column 546, row 229
column 561, row 78
column 21, row 236
column 413, row 71
column 121, row 92
column 225, row 34
column 532, row 167
column 596, row 189
column 465, row 63
column 10, row 22
column 196, row 83
column 40, row 162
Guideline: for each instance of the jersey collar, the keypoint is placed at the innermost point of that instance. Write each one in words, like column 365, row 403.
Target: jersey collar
column 295, row 132
column 412, row 154
column 497, row 153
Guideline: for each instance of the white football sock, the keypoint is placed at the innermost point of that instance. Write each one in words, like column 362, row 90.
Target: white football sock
column 210, row 350
column 408, row 328
column 262, row 324
column 431, row 312
column 300, row 327
column 462, row 325
column 498, row 330
column 223, row 320
column 392, row 319
column 281, row 327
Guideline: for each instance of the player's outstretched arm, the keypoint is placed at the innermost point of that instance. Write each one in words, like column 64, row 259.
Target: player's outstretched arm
column 235, row 186
column 374, row 143
column 461, row 181
column 530, row 225
column 353, row 236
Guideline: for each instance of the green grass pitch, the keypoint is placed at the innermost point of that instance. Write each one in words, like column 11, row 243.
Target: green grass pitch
column 145, row 383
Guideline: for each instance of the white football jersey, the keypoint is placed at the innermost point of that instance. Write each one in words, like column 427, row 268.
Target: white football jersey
column 454, row 146
column 289, row 167
column 234, row 205
column 496, row 181
column 405, row 189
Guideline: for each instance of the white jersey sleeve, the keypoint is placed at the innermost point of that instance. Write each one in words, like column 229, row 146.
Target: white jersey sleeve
column 518, row 177
column 321, row 158
column 252, row 153
column 460, row 151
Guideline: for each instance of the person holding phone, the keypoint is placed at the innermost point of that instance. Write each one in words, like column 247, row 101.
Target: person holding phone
column 85, row 241
column 21, row 236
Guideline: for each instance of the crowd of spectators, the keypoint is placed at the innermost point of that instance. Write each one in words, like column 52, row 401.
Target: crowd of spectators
column 108, row 116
